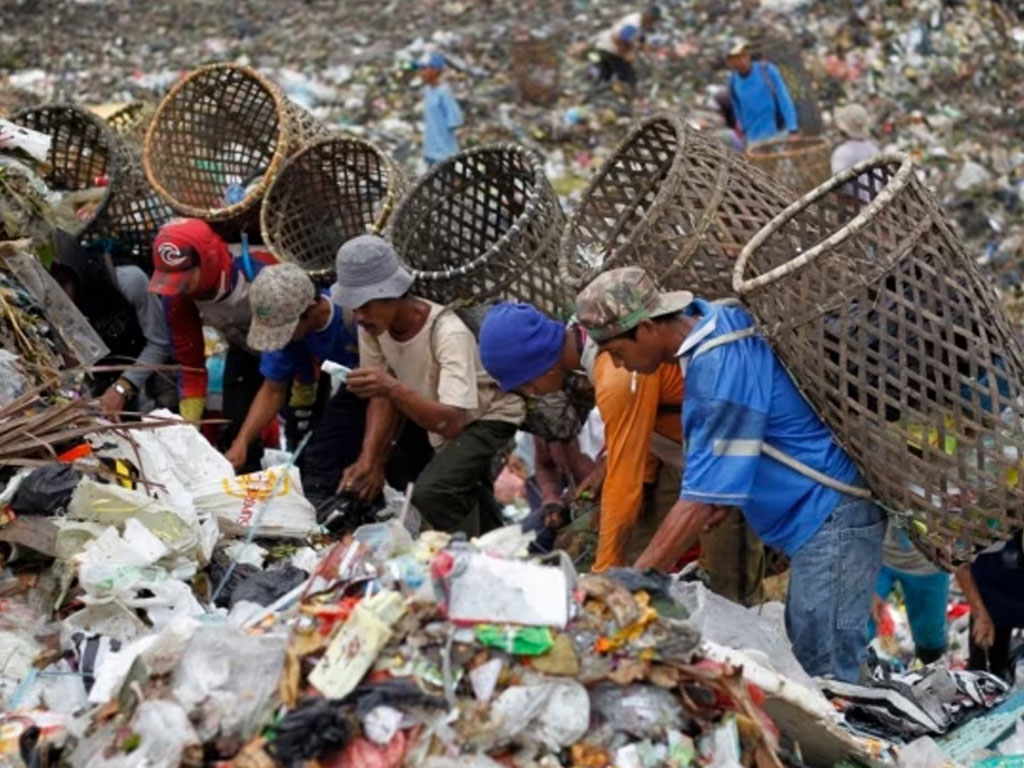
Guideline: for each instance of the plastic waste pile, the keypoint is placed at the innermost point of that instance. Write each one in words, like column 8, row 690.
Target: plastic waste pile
column 159, row 611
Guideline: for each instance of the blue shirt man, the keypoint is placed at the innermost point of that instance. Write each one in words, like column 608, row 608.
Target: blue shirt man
column 739, row 398
column 760, row 98
column 441, row 113
column 752, row 441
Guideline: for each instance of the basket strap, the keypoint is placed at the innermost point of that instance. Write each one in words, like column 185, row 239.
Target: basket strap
column 813, row 474
column 753, row 447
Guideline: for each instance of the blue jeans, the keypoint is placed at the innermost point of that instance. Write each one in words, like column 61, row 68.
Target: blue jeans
column 831, row 580
column 926, row 596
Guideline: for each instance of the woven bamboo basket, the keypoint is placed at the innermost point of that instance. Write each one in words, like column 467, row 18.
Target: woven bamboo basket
column 674, row 202
column 217, row 141
column 535, row 68
column 85, row 153
column 129, row 119
column 483, row 225
column 335, row 189
column 800, row 163
column 899, row 342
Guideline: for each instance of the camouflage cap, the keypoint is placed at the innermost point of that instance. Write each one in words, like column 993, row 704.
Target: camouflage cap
column 618, row 300
column 278, row 297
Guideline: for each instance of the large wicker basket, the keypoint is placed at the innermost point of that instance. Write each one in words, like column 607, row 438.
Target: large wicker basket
column 217, row 141
column 674, row 202
column 901, row 345
column 481, row 226
column 800, row 163
column 85, row 153
column 535, row 67
column 334, row 190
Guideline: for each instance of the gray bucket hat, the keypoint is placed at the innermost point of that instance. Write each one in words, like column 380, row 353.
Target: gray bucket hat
column 368, row 269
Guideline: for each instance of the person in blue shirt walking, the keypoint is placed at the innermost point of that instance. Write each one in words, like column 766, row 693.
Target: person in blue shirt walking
column 751, row 441
column 760, row 99
column 441, row 113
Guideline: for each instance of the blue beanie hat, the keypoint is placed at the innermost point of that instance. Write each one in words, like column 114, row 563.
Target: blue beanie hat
column 518, row 343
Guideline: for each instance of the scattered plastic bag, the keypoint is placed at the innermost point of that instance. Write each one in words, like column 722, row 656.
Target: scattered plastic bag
column 228, row 678
column 734, row 626
column 271, row 499
column 643, row 711
column 47, row 491
column 178, row 529
column 553, row 713
column 315, row 729
column 265, row 587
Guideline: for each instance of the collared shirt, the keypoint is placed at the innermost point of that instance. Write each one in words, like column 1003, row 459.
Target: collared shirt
column 739, row 396
column 441, row 116
column 301, row 359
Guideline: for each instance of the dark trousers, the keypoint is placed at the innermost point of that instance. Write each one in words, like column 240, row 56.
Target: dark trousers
column 997, row 658
column 242, row 380
column 337, row 441
column 455, row 492
column 611, row 66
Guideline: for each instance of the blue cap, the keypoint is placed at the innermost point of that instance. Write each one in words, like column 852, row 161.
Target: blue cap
column 431, row 61
column 627, row 33
column 519, row 343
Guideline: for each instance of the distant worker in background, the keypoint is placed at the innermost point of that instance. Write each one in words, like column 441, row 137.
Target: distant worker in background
column 617, row 46
column 759, row 96
column 854, row 124
column 441, row 112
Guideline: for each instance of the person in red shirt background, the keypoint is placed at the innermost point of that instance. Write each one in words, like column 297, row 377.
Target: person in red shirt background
column 204, row 282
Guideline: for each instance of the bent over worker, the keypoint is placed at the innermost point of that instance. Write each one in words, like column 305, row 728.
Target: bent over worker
column 528, row 352
column 205, row 284
column 754, row 442
column 420, row 361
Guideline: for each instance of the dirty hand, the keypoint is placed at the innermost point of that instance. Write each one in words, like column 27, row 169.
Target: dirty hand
column 112, row 402
column 982, row 629
column 236, row 454
column 364, row 480
column 369, row 382
column 590, row 488
column 554, row 516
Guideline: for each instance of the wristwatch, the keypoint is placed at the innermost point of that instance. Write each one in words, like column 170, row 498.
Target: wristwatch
column 121, row 389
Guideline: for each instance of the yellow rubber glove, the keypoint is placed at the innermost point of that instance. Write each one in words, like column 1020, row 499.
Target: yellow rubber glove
column 191, row 408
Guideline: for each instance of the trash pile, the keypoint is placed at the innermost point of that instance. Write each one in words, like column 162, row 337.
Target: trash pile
column 159, row 611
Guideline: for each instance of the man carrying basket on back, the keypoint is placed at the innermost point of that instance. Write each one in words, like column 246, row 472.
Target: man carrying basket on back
column 751, row 440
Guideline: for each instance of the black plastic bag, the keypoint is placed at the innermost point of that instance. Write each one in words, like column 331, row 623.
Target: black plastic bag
column 47, row 491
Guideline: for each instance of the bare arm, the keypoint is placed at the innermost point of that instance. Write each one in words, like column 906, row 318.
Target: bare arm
column 678, row 532
column 983, row 630
column 265, row 406
column 445, row 420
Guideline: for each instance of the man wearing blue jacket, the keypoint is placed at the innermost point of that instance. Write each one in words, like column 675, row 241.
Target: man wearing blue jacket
column 752, row 441
column 760, row 98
